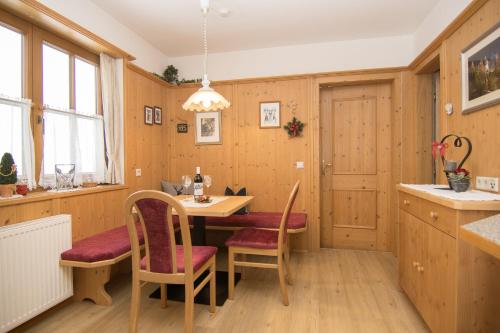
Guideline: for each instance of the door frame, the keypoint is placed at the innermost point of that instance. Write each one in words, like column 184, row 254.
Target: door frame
column 392, row 76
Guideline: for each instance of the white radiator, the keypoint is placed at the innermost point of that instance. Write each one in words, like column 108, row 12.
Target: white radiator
column 31, row 280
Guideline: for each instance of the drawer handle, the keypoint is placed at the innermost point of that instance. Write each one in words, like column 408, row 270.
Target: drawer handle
column 415, row 264
column 434, row 215
column 420, row 268
column 406, row 202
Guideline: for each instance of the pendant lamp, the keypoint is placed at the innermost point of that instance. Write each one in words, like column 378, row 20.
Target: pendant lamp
column 206, row 98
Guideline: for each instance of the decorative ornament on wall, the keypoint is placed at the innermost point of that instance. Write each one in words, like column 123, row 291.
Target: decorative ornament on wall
column 294, row 128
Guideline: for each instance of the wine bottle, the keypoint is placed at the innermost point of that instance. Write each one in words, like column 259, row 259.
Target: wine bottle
column 198, row 184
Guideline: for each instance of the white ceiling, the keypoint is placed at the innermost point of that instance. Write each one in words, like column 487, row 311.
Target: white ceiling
column 174, row 26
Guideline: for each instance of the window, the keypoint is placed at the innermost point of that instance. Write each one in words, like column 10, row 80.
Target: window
column 15, row 128
column 73, row 129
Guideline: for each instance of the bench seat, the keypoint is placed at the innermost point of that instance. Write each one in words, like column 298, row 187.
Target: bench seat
column 297, row 222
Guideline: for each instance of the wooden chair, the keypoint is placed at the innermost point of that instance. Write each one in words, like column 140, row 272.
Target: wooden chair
column 265, row 243
column 165, row 262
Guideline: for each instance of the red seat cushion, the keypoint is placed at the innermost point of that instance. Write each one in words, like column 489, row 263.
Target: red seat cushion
column 258, row 220
column 254, row 238
column 104, row 246
column 200, row 255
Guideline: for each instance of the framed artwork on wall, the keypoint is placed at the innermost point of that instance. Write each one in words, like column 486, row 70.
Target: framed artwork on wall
column 148, row 115
column 157, row 115
column 269, row 115
column 481, row 72
column 208, row 128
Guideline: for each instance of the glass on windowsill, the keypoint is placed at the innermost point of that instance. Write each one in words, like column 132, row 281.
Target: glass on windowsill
column 65, row 176
column 88, row 180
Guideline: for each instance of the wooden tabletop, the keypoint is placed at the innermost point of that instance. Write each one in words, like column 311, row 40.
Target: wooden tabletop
column 221, row 209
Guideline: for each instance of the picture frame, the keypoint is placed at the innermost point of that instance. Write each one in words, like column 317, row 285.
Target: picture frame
column 157, row 115
column 269, row 114
column 208, row 128
column 481, row 72
column 148, row 115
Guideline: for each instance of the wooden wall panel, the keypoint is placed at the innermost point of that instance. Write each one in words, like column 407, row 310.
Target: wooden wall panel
column 145, row 145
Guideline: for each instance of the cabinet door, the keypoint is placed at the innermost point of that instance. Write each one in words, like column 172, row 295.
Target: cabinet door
column 410, row 253
column 438, row 301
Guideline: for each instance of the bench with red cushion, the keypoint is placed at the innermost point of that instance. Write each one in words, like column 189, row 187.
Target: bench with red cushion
column 297, row 222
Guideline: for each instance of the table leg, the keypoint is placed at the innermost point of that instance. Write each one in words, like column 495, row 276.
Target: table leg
column 198, row 236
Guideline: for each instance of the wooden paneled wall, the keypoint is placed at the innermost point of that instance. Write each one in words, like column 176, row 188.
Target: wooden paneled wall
column 262, row 160
column 146, row 146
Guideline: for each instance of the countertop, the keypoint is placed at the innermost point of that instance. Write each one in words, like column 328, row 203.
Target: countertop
column 484, row 234
column 470, row 200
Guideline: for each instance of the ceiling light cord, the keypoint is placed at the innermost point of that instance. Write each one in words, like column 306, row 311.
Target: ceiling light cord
column 205, row 45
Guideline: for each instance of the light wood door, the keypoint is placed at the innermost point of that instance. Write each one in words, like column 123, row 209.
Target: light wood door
column 356, row 160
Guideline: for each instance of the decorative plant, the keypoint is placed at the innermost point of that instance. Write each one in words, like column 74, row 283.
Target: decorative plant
column 294, row 128
column 459, row 175
column 8, row 170
column 171, row 75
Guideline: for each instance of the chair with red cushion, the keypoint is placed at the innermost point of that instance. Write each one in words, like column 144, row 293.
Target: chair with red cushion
column 166, row 262
column 263, row 242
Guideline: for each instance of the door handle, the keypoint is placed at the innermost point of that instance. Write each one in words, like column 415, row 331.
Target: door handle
column 324, row 166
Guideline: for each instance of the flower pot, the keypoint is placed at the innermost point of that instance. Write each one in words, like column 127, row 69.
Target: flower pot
column 7, row 190
column 22, row 189
column 460, row 185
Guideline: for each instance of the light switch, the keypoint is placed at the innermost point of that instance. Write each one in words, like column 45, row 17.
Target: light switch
column 138, row 172
column 299, row 164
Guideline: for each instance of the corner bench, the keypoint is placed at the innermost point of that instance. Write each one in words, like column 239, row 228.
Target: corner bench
column 297, row 222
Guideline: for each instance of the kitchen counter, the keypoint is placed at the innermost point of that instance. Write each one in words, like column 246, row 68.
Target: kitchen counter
column 484, row 234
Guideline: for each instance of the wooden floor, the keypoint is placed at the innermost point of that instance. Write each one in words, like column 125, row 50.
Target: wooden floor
column 333, row 291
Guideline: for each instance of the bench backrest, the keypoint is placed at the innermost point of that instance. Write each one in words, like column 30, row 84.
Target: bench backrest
column 154, row 210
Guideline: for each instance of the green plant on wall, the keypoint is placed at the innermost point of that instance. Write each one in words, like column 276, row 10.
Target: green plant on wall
column 171, row 74
column 8, row 170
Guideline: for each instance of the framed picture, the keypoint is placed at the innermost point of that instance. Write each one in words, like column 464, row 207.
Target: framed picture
column 148, row 115
column 157, row 115
column 270, row 115
column 208, row 128
column 481, row 72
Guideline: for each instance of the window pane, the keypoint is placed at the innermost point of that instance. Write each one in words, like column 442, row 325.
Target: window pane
column 55, row 77
column 56, row 141
column 11, row 134
column 85, row 87
column 11, row 62
column 87, row 144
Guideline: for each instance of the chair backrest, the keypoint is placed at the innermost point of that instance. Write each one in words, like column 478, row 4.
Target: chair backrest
column 286, row 214
column 154, row 211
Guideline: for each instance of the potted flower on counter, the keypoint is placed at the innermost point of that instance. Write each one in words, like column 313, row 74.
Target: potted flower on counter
column 8, row 176
column 459, row 180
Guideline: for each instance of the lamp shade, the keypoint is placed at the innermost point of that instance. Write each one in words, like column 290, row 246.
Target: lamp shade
column 205, row 99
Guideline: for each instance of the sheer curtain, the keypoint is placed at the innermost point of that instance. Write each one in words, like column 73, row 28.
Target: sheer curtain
column 17, row 137
column 72, row 138
column 112, row 116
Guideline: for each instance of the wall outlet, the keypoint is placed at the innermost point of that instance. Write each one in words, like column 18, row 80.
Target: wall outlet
column 299, row 165
column 487, row 183
column 138, row 172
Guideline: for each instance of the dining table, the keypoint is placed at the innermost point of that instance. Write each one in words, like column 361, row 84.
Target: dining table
column 219, row 206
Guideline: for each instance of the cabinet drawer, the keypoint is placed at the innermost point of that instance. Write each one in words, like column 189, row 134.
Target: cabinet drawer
column 443, row 218
column 409, row 203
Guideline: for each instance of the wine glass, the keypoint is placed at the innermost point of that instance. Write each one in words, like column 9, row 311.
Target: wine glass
column 207, row 180
column 186, row 182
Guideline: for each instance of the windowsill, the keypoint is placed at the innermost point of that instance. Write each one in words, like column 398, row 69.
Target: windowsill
column 46, row 195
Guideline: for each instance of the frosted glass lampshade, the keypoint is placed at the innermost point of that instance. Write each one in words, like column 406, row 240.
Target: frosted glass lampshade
column 204, row 100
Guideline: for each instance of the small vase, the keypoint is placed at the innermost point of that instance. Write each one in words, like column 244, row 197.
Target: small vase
column 460, row 185
column 7, row 190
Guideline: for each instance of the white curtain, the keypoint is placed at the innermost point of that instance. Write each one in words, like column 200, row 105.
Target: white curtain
column 72, row 138
column 16, row 136
column 112, row 116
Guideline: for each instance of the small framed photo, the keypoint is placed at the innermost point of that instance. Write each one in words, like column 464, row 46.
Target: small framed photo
column 208, row 128
column 157, row 115
column 148, row 115
column 270, row 115
column 481, row 72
